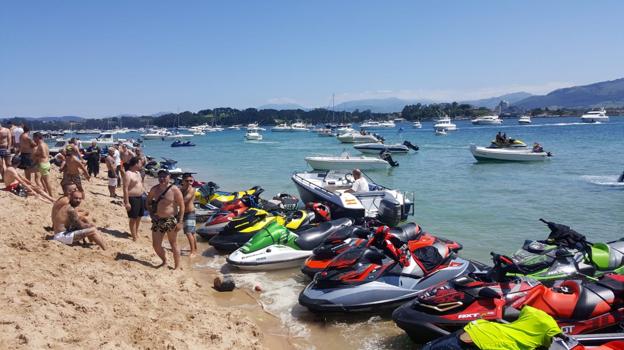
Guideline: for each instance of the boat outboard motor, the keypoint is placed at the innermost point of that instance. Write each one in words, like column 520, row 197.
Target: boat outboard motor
column 410, row 145
column 621, row 178
column 385, row 155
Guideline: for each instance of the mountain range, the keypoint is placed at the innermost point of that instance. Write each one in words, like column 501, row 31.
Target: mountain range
column 602, row 94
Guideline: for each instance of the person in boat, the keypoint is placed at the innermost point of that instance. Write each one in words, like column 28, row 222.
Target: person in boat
column 499, row 138
column 360, row 184
column 537, row 148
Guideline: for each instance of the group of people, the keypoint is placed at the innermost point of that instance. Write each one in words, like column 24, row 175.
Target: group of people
column 170, row 207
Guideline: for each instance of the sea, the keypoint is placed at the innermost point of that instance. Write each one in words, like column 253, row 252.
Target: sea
column 487, row 207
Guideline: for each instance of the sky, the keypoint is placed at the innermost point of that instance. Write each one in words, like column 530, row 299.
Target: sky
column 104, row 58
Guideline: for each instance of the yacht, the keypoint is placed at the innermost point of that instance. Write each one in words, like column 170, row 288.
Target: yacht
column 155, row 134
column 445, row 124
column 346, row 162
column 253, row 135
column 595, row 116
column 487, row 120
column 281, row 128
column 371, row 124
column 417, row 124
column 525, row 119
column 299, row 127
column 357, row 137
column 107, row 139
column 387, row 205
column 254, row 126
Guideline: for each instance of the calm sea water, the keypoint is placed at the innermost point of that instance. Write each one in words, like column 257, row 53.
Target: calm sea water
column 486, row 207
column 491, row 206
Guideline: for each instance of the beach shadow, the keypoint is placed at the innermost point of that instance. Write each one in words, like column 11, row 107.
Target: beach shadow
column 99, row 194
column 48, row 228
column 115, row 233
column 128, row 257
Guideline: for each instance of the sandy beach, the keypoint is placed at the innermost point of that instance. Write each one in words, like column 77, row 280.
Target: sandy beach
column 57, row 296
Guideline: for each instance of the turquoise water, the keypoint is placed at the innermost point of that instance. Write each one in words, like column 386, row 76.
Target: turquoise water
column 485, row 206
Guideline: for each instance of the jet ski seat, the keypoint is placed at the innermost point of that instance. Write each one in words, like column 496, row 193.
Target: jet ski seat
column 311, row 238
column 606, row 257
column 406, row 232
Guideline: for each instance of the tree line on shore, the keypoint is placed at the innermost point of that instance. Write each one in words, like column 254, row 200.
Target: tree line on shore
column 230, row 116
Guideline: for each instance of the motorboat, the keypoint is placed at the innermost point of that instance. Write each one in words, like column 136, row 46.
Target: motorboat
column 254, row 127
column 417, row 124
column 371, row 124
column 253, row 135
column 58, row 145
column 177, row 136
column 327, row 132
column 487, row 120
column 444, row 123
column 357, row 137
column 281, row 128
column 155, row 135
column 299, row 127
column 329, row 187
column 440, row 132
column 598, row 116
column 511, row 154
column 376, row 148
column 234, row 127
column 106, row 140
column 347, row 162
column 525, row 119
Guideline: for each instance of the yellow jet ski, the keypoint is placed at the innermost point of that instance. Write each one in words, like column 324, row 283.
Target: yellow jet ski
column 208, row 194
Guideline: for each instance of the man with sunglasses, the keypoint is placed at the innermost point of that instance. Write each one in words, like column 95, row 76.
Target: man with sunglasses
column 188, row 191
column 166, row 207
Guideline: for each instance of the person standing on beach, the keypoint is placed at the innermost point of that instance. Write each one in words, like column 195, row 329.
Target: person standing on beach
column 117, row 157
column 18, row 130
column 41, row 157
column 71, row 225
column 166, row 207
column 5, row 149
column 73, row 168
column 125, row 154
column 111, row 174
column 26, row 145
column 93, row 159
column 133, row 195
column 188, row 191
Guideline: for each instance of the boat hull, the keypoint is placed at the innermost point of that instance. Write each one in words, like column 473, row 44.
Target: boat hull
column 506, row 155
column 376, row 148
column 339, row 163
column 275, row 257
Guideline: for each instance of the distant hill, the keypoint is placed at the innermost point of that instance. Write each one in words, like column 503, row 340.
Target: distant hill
column 602, row 94
column 65, row 118
column 283, row 106
column 492, row 102
column 382, row 105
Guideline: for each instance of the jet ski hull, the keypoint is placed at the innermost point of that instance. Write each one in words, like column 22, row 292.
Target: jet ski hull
column 209, row 231
column 272, row 258
column 230, row 242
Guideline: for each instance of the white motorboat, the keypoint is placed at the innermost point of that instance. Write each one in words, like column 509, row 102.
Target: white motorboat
column 376, row 148
column 389, row 206
column 107, row 140
column 487, row 120
column 326, row 132
column 281, row 128
column 598, row 116
column 178, row 136
column 155, row 135
column 253, row 136
column 346, row 162
column 254, row 127
column 445, row 124
column 234, row 127
column 525, row 119
column 371, row 124
column 357, row 137
column 417, row 124
column 511, row 154
column 440, row 132
column 299, row 127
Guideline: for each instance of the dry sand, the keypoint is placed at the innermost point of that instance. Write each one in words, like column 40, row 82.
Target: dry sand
column 57, row 296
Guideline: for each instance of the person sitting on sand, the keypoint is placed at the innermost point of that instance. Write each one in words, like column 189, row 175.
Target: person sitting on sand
column 71, row 225
column 73, row 167
column 188, row 191
column 162, row 201
column 133, row 195
column 63, row 200
column 18, row 184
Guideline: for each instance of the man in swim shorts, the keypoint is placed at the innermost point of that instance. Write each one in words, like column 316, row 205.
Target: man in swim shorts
column 26, row 149
column 72, row 169
column 188, row 191
column 166, row 206
column 133, row 195
column 72, row 225
column 6, row 143
column 111, row 174
column 41, row 156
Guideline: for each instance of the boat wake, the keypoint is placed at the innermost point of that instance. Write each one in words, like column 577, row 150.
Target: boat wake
column 609, row 181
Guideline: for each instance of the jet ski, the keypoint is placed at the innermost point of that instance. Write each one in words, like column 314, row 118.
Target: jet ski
column 279, row 248
column 621, row 178
column 492, row 295
column 240, row 230
column 567, row 254
column 348, row 237
column 217, row 222
column 208, row 194
column 383, row 274
column 178, row 143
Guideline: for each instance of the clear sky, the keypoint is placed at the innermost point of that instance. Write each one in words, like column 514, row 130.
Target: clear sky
column 102, row 58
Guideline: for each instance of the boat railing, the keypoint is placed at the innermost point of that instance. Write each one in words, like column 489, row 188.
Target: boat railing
column 300, row 178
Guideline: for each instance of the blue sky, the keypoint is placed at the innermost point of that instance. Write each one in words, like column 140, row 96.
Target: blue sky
column 101, row 58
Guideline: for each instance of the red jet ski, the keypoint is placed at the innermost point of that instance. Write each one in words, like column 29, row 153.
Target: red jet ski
column 352, row 236
column 217, row 222
column 578, row 308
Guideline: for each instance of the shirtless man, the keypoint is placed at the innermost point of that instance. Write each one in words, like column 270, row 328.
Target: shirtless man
column 63, row 200
column 16, row 183
column 188, row 191
column 73, row 167
column 133, row 195
column 125, row 154
column 26, row 149
column 5, row 149
column 41, row 156
column 111, row 174
column 161, row 202
column 72, row 225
